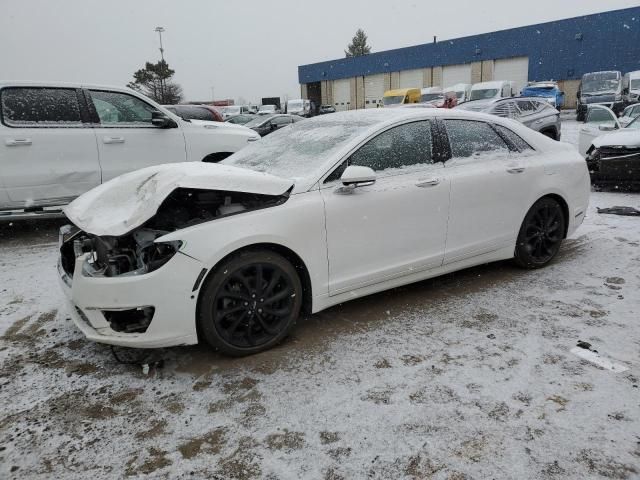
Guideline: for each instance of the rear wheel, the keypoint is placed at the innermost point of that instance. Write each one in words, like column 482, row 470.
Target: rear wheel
column 541, row 234
column 250, row 303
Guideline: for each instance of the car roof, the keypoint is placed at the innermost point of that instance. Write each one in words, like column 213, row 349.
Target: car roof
column 30, row 83
column 493, row 84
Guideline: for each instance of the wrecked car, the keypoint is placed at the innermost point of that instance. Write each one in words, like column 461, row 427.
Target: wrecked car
column 327, row 210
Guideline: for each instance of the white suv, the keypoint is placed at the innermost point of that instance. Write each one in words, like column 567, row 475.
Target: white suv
column 59, row 140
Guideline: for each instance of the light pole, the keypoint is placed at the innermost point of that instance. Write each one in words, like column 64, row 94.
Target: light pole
column 160, row 30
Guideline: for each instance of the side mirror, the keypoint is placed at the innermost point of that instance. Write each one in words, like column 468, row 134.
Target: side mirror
column 160, row 120
column 606, row 128
column 358, row 176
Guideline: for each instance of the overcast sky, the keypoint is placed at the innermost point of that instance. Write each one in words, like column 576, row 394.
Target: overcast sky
column 245, row 48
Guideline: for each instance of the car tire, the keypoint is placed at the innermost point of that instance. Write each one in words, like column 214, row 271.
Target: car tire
column 249, row 303
column 541, row 234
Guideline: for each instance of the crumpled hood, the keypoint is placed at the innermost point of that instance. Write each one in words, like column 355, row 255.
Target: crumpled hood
column 628, row 138
column 126, row 202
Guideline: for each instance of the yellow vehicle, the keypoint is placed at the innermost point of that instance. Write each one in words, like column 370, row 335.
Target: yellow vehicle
column 401, row 96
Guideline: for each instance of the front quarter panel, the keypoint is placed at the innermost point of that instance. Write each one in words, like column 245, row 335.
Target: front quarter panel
column 298, row 224
column 202, row 140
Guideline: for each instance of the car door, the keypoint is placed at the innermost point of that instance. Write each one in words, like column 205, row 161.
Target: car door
column 490, row 187
column 600, row 120
column 127, row 140
column 49, row 154
column 397, row 225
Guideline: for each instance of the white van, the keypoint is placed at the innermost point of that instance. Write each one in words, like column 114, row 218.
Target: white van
column 631, row 87
column 59, row 140
column 299, row 107
column 462, row 91
column 492, row 90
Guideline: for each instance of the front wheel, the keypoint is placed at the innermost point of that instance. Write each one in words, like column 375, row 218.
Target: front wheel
column 540, row 235
column 250, row 303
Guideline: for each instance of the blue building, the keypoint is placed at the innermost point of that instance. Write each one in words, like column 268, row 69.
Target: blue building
column 562, row 50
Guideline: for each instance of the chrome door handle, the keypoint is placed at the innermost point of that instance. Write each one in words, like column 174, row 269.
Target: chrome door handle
column 113, row 139
column 515, row 170
column 428, row 183
column 16, row 142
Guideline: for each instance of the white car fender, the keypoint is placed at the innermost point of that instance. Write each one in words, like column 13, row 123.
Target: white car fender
column 290, row 225
column 205, row 138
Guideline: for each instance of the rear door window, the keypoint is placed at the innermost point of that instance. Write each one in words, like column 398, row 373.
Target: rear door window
column 515, row 139
column 469, row 138
column 40, row 107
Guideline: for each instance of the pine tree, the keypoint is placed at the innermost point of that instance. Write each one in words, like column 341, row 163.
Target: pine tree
column 154, row 81
column 358, row 45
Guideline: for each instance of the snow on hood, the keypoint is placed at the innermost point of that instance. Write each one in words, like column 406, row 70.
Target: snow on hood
column 126, row 202
column 628, row 138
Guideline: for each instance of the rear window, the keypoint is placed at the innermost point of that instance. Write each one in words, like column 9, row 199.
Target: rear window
column 40, row 107
column 514, row 138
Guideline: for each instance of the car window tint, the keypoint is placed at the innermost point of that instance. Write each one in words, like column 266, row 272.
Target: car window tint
column 469, row 137
column 506, row 109
column 398, row 147
column 115, row 108
column 599, row 116
column 40, row 106
column 520, row 144
column 194, row 113
column 281, row 121
column 527, row 107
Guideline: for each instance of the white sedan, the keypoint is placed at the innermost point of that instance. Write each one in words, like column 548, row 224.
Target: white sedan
column 321, row 212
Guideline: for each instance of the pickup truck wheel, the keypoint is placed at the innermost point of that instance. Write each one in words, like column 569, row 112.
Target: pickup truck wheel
column 250, row 303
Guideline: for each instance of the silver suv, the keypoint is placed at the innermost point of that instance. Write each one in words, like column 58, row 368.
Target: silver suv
column 535, row 114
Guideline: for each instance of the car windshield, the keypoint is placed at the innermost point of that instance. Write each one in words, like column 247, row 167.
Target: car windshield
column 301, row 149
column 600, row 83
column 635, row 84
column 394, row 100
column 295, row 104
column 484, row 93
column 257, row 121
column 241, row 119
column 429, row 97
column 634, row 125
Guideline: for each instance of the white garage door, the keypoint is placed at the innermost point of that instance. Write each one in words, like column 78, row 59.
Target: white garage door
column 373, row 90
column 452, row 74
column 515, row 69
column 342, row 94
column 411, row 78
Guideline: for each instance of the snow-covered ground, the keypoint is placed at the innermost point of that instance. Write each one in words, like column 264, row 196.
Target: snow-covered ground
column 466, row 376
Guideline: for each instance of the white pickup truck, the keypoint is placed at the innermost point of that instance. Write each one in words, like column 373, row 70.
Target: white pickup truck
column 59, row 140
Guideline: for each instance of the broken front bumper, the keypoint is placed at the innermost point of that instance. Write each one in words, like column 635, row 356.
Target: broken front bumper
column 166, row 291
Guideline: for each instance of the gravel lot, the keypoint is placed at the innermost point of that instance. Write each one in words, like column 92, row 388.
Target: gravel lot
column 466, row 376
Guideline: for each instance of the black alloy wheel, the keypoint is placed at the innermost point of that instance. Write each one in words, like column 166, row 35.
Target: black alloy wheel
column 250, row 303
column 541, row 234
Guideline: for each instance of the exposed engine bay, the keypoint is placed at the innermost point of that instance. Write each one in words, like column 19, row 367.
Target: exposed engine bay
column 137, row 252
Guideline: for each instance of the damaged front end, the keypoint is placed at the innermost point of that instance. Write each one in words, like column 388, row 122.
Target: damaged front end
column 139, row 251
